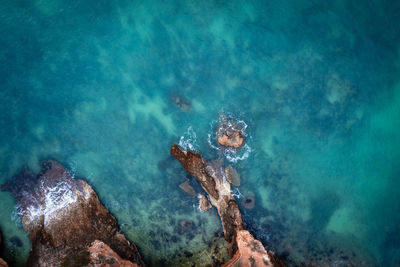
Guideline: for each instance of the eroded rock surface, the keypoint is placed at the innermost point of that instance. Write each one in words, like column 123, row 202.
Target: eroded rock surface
column 3, row 263
column 101, row 254
column 217, row 188
column 229, row 133
column 251, row 252
column 212, row 179
column 63, row 216
column 204, row 204
column 231, row 139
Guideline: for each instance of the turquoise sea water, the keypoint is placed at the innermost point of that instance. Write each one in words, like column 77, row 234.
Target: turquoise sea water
column 92, row 84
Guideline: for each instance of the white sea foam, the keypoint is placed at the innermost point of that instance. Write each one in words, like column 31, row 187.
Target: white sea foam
column 188, row 141
column 233, row 156
column 236, row 193
column 56, row 198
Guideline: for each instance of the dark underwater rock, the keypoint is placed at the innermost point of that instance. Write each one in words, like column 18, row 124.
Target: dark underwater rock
column 180, row 102
column 16, row 242
column 249, row 201
column 185, row 226
column 63, row 217
column 185, row 186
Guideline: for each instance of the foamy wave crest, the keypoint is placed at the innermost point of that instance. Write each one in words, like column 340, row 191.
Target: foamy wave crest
column 211, row 139
column 49, row 200
column 188, row 141
column 56, row 198
column 236, row 193
column 15, row 217
column 233, row 155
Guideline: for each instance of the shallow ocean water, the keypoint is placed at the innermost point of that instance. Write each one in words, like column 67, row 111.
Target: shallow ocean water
column 92, row 84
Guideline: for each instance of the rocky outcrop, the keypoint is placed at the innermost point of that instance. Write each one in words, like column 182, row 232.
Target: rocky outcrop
column 2, row 262
column 231, row 139
column 218, row 190
column 101, row 254
column 212, row 179
column 229, row 133
column 63, row 217
column 204, row 204
column 251, row 252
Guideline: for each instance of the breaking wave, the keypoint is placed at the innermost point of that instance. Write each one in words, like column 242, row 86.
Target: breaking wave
column 47, row 200
column 188, row 140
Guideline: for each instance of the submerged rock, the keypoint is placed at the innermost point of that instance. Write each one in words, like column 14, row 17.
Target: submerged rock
column 185, row 186
column 185, row 225
column 211, row 178
column 215, row 254
column 251, row 252
column 249, row 201
column 232, row 176
column 16, row 242
column 180, row 102
column 204, row 204
column 63, row 216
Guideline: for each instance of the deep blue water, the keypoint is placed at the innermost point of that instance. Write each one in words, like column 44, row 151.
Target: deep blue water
column 92, row 84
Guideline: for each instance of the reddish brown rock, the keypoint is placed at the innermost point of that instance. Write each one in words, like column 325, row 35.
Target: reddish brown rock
column 231, row 139
column 102, row 255
column 63, row 216
column 2, row 262
column 211, row 177
column 185, row 186
column 204, row 204
column 229, row 133
column 232, row 176
column 218, row 189
column 251, row 252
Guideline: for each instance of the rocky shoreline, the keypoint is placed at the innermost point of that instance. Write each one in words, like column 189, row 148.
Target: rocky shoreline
column 68, row 226
column 66, row 223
